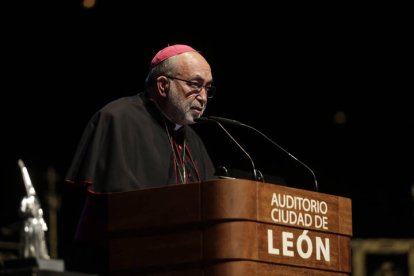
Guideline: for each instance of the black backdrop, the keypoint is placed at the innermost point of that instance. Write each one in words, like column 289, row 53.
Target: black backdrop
column 287, row 71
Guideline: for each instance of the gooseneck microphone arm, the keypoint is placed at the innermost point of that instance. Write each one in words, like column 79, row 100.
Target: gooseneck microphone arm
column 230, row 121
column 256, row 173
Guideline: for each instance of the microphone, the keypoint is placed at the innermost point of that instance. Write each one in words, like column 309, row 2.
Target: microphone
column 258, row 176
column 224, row 120
column 237, row 123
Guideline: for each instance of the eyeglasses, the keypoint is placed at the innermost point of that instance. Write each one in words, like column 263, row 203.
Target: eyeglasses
column 196, row 86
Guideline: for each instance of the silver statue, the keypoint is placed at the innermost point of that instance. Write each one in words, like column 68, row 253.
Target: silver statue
column 33, row 232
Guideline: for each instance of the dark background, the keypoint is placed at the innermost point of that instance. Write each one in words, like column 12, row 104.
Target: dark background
column 287, row 71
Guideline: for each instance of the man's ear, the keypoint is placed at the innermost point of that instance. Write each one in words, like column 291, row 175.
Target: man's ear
column 163, row 86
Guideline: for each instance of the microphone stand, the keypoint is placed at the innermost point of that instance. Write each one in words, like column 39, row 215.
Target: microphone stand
column 257, row 175
column 235, row 122
column 288, row 153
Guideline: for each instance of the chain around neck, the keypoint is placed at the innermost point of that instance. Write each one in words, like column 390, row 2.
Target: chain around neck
column 179, row 159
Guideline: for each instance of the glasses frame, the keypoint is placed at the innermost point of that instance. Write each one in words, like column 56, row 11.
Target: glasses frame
column 211, row 89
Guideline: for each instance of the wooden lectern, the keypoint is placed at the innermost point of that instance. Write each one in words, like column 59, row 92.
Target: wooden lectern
column 228, row 227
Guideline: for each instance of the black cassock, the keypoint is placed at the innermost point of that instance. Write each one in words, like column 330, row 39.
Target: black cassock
column 126, row 146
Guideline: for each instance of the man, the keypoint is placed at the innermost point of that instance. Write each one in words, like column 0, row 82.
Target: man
column 142, row 141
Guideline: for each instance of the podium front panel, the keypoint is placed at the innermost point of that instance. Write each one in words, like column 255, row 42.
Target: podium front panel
column 224, row 224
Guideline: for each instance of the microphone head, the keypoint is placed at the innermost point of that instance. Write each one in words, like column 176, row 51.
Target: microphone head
column 225, row 120
column 217, row 120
